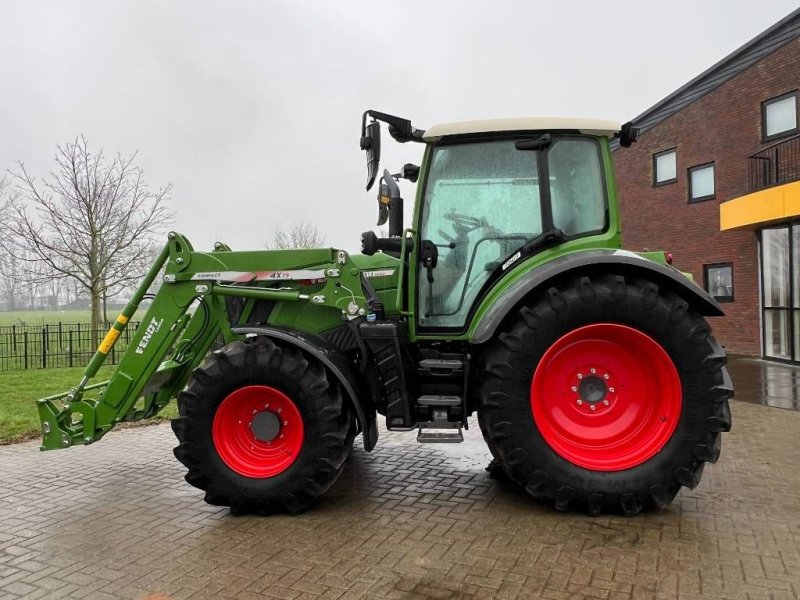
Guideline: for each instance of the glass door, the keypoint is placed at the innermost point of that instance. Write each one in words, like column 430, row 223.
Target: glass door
column 795, row 274
column 780, row 258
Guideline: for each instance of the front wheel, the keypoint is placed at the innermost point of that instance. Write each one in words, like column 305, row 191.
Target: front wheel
column 605, row 394
column 262, row 428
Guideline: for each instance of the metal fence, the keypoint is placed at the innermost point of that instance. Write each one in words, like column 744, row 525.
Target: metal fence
column 56, row 345
column 775, row 165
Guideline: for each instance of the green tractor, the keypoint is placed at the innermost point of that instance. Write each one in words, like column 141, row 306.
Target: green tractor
column 594, row 376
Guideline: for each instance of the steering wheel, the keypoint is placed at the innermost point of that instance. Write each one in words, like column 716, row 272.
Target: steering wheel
column 464, row 225
column 463, row 222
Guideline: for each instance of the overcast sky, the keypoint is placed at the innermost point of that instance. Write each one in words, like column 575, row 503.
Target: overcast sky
column 252, row 109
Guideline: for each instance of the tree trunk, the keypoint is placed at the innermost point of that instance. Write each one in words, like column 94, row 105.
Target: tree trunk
column 96, row 316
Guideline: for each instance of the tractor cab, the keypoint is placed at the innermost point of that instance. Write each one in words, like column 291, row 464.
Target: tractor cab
column 490, row 194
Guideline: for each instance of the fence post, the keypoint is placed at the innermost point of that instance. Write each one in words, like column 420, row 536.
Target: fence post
column 44, row 347
column 69, row 336
column 14, row 336
column 25, row 345
column 60, row 337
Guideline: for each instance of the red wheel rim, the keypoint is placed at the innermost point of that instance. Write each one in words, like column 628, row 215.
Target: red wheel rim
column 606, row 397
column 272, row 445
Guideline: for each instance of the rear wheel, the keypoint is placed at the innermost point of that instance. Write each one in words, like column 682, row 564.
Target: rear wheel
column 262, row 428
column 605, row 394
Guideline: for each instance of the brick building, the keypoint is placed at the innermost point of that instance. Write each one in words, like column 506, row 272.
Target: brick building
column 715, row 179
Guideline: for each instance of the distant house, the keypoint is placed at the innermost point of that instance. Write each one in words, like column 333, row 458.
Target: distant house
column 715, row 179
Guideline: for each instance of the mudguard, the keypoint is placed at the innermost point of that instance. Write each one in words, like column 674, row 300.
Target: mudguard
column 339, row 365
column 600, row 260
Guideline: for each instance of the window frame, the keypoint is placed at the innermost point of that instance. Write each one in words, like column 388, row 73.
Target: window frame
column 721, row 265
column 656, row 182
column 781, row 134
column 689, row 172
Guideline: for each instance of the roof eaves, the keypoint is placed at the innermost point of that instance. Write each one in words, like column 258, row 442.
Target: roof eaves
column 736, row 62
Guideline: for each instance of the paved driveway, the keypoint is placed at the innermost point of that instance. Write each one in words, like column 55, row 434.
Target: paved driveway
column 407, row 521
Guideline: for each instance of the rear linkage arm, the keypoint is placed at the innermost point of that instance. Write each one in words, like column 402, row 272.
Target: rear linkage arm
column 171, row 341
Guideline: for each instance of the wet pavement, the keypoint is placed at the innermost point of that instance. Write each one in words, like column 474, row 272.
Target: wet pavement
column 765, row 382
column 116, row 520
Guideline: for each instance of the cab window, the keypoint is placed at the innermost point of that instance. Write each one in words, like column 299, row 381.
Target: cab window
column 483, row 202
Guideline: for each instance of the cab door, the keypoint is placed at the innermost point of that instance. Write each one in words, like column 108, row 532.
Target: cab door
column 481, row 202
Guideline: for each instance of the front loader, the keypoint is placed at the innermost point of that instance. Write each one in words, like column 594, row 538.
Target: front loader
column 593, row 373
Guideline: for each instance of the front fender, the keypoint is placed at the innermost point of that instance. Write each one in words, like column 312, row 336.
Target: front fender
column 338, row 364
column 587, row 261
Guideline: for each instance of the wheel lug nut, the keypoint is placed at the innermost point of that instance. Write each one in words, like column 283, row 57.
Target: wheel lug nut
column 286, row 422
column 591, row 407
column 255, row 411
column 580, row 401
column 605, row 376
column 611, row 390
column 592, row 371
column 605, row 402
column 580, row 375
column 280, row 436
column 574, row 388
column 280, row 410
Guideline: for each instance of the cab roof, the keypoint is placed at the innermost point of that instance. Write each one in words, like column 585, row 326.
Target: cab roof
column 585, row 126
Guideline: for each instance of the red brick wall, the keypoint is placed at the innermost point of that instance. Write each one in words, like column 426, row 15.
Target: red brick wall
column 723, row 126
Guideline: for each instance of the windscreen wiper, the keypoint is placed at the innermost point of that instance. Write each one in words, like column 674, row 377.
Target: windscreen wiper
column 550, row 237
column 547, row 238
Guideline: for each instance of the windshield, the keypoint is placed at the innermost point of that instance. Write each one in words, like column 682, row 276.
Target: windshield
column 483, row 202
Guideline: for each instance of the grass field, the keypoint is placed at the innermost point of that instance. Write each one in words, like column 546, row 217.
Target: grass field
column 52, row 317
column 19, row 391
column 43, row 317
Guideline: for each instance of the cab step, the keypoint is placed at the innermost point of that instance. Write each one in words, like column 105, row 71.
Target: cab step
column 428, row 436
column 436, row 400
column 440, row 430
column 441, row 366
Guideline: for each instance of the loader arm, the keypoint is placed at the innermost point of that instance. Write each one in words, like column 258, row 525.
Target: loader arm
column 172, row 339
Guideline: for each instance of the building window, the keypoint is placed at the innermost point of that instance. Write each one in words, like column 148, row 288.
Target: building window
column 780, row 291
column 665, row 167
column 779, row 116
column 701, row 182
column 719, row 281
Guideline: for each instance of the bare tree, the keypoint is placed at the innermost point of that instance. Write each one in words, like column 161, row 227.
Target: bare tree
column 299, row 235
column 90, row 221
column 12, row 281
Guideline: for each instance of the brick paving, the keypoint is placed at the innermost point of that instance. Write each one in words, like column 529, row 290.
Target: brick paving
column 116, row 520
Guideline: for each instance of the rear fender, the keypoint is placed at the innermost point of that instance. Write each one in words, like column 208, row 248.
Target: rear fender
column 590, row 262
column 338, row 364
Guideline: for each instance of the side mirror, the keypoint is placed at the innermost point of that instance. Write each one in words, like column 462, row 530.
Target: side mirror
column 371, row 144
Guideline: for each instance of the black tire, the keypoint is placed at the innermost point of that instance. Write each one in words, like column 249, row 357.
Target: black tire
column 506, row 415
column 328, row 427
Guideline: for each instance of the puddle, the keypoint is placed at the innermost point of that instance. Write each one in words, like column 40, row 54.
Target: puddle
column 764, row 382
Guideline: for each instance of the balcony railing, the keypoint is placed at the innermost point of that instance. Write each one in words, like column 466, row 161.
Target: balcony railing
column 775, row 165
